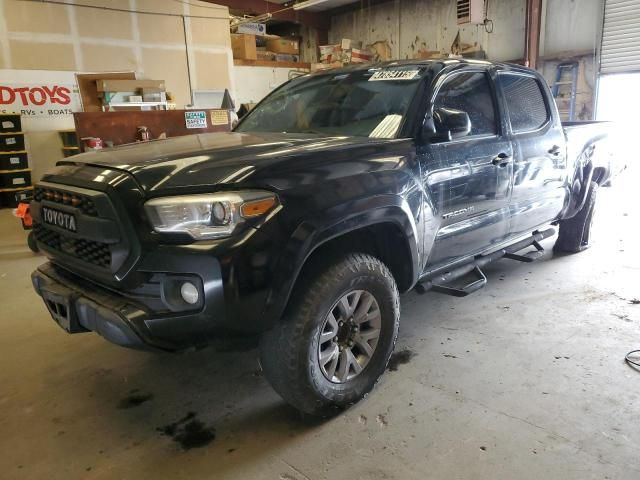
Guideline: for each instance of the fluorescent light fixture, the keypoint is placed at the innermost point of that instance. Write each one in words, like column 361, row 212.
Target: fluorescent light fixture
column 307, row 4
column 259, row 19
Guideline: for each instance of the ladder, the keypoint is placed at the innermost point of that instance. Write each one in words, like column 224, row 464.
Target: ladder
column 566, row 76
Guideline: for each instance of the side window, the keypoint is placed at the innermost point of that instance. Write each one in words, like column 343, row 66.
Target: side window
column 525, row 102
column 470, row 92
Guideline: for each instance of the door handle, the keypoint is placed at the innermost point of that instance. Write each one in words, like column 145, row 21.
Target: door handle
column 501, row 160
column 555, row 150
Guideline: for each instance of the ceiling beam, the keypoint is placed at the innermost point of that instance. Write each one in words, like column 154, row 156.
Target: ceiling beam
column 259, row 7
column 355, row 6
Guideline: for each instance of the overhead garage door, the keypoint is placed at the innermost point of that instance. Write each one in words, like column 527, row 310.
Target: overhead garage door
column 620, row 37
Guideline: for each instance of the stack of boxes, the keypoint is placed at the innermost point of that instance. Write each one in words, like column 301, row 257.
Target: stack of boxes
column 344, row 53
column 15, row 174
column 252, row 43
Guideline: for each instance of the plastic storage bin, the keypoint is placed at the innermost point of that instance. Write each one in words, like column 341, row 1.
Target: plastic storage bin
column 10, row 197
column 10, row 122
column 11, row 142
column 14, row 161
column 15, row 179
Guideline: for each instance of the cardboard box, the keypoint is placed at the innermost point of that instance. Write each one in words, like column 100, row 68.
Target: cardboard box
column 154, row 96
column 329, row 53
column 267, row 56
column 127, row 85
column 360, row 56
column 348, row 44
column 427, row 54
column 252, row 28
column 283, row 45
column 244, row 46
column 152, row 90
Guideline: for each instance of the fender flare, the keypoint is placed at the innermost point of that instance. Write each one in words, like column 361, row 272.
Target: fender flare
column 312, row 234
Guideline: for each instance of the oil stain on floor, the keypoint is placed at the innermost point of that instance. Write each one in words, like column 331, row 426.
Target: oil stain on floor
column 400, row 358
column 189, row 432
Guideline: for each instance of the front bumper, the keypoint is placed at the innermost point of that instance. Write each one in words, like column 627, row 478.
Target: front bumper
column 77, row 309
column 79, row 305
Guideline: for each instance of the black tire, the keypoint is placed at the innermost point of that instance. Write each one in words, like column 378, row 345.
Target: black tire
column 575, row 233
column 31, row 242
column 289, row 353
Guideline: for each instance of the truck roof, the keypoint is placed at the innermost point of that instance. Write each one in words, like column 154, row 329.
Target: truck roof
column 423, row 63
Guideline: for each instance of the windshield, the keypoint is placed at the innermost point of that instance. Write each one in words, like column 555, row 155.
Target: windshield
column 365, row 103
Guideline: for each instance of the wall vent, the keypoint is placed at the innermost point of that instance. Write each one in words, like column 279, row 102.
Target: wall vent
column 470, row 11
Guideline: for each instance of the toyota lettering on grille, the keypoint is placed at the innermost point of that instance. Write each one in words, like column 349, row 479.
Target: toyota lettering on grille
column 59, row 219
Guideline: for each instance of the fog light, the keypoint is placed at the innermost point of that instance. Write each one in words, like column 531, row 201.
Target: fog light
column 189, row 293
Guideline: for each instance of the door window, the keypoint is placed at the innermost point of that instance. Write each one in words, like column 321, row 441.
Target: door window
column 470, row 92
column 527, row 108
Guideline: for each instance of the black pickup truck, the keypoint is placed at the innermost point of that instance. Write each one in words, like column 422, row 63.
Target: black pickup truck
column 339, row 191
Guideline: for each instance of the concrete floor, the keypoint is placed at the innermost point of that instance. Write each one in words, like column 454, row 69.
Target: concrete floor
column 523, row 380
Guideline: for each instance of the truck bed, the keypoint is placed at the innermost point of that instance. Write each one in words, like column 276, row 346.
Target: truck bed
column 584, row 136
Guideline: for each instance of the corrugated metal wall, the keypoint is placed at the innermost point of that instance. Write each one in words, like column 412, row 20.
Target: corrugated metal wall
column 621, row 37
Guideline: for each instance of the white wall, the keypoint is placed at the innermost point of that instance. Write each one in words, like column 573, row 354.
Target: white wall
column 180, row 42
column 254, row 83
column 571, row 25
column 571, row 30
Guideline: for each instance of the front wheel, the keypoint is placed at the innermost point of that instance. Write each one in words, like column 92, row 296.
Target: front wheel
column 336, row 337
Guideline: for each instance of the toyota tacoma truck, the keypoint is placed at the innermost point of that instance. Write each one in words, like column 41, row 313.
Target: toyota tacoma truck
column 301, row 227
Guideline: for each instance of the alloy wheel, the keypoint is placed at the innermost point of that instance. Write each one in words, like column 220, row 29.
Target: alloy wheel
column 349, row 336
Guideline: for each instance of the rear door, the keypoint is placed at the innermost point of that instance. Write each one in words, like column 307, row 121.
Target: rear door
column 468, row 179
column 539, row 167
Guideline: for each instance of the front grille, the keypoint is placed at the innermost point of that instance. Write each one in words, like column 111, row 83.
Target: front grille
column 95, row 253
column 82, row 203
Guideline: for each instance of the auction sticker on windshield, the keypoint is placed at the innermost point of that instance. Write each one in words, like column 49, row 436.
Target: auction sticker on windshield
column 394, row 75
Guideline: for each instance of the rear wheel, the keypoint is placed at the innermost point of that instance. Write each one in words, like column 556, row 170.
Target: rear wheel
column 575, row 233
column 336, row 337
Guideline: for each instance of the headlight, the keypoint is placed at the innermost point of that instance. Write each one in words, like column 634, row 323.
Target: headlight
column 208, row 216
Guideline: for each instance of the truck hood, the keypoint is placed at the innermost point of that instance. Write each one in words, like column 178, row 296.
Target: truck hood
column 221, row 158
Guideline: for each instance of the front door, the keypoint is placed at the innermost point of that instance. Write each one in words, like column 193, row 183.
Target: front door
column 468, row 179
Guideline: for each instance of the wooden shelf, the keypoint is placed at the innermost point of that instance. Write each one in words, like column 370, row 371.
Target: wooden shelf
column 270, row 63
column 567, row 55
column 5, row 190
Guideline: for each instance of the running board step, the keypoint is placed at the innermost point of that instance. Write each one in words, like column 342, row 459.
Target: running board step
column 529, row 256
column 439, row 281
column 468, row 289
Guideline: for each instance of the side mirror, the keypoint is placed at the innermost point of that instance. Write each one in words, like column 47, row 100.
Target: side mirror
column 448, row 124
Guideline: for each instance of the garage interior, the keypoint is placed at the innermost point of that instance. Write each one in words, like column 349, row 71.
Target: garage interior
column 524, row 379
